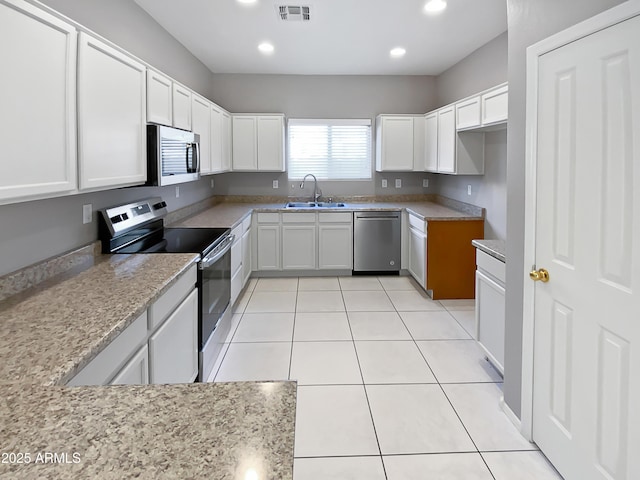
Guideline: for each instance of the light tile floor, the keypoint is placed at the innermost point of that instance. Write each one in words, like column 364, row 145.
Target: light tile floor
column 391, row 384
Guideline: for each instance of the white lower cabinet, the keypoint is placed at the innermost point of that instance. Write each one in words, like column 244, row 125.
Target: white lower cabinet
column 490, row 307
column 246, row 254
column 173, row 348
column 136, row 371
column 267, row 246
column 335, row 241
column 299, row 247
column 417, row 258
column 160, row 346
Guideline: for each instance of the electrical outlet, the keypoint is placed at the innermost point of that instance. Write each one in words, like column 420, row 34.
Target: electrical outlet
column 468, row 189
column 177, row 192
column 212, row 183
column 425, row 183
column 384, row 183
column 398, row 183
column 87, row 211
column 275, row 184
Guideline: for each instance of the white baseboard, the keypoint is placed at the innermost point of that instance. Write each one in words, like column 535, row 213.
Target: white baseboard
column 510, row 415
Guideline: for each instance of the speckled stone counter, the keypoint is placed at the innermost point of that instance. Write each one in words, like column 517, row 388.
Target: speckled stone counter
column 59, row 327
column 495, row 248
column 212, row 431
column 228, row 215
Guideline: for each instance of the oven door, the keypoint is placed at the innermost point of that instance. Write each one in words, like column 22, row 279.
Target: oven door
column 214, row 276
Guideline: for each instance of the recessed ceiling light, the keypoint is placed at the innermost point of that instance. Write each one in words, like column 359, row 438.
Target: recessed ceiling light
column 435, row 6
column 247, row 1
column 397, row 52
column 266, row 48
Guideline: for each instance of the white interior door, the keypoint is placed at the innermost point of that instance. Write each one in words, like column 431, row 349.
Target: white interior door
column 586, row 378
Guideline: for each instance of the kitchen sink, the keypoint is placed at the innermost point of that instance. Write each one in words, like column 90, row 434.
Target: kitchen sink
column 315, row 205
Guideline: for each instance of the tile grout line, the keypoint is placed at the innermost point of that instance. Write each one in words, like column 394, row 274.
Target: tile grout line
column 364, row 387
column 293, row 331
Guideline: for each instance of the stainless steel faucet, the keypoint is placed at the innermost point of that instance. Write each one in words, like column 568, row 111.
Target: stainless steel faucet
column 316, row 195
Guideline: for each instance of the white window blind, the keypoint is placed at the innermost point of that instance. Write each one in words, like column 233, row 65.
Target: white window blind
column 330, row 149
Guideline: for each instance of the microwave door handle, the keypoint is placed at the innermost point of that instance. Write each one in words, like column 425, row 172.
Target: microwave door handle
column 196, row 157
column 186, row 157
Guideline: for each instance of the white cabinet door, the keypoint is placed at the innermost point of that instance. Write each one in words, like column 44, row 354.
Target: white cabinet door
column 417, row 256
column 227, row 142
column 335, row 246
column 246, row 256
column 201, row 124
column 395, row 144
column 38, row 103
column 268, row 247
column 299, row 247
column 245, row 152
column 136, row 371
column 468, row 113
column 447, row 140
column 181, row 107
column 270, row 138
column 431, row 142
column 418, row 144
column 173, row 349
column 490, row 318
column 159, row 98
column 495, row 106
column 217, row 139
column 112, row 107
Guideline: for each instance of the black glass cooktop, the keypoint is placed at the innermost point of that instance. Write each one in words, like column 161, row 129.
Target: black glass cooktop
column 176, row 240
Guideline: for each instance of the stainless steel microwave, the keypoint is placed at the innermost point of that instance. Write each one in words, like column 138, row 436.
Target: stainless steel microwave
column 173, row 155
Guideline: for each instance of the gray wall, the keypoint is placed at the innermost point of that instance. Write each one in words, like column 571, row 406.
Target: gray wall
column 482, row 69
column 34, row 231
column 529, row 21
column 323, row 96
column 130, row 27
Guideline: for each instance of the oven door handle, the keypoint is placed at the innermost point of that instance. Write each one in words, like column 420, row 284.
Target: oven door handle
column 217, row 253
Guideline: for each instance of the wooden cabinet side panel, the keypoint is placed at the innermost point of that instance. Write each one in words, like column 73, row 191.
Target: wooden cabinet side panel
column 451, row 261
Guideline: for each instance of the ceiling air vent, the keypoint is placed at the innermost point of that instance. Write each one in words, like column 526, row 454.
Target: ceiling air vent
column 294, row 13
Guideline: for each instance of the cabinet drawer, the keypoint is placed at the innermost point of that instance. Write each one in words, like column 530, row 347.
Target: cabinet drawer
column 298, row 218
column 268, row 217
column 246, row 223
column 237, row 233
column 490, row 265
column 417, row 223
column 162, row 307
column 236, row 255
column 109, row 361
column 335, row 217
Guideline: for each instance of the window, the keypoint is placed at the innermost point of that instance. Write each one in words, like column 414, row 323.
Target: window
column 330, row 149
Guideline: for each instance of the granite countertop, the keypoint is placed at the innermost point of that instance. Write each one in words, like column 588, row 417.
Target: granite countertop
column 495, row 248
column 150, row 431
column 228, row 215
column 59, row 328
column 216, row 431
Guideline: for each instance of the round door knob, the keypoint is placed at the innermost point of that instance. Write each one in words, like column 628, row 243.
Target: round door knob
column 540, row 275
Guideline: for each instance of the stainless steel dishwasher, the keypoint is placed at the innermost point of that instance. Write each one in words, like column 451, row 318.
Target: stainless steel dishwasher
column 376, row 241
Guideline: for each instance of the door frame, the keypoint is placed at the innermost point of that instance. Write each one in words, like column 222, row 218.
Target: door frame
column 610, row 17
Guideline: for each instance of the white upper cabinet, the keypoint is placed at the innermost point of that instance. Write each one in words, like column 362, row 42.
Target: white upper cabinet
column 270, row 139
column 447, row 140
column 258, row 143
column 419, row 144
column 245, row 146
column 495, row 105
column 38, row 103
column 468, row 113
column 394, row 143
column 181, row 107
column 431, row 142
column 226, row 142
column 201, row 124
column 111, row 116
column 159, row 98
column 217, row 139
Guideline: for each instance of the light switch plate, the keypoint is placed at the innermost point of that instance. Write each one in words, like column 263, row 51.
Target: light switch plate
column 398, row 183
column 468, row 189
column 384, row 183
column 212, row 183
column 177, row 192
column 425, row 183
column 275, row 184
column 87, row 211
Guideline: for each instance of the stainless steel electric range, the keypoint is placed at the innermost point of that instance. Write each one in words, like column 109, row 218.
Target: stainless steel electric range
column 138, row 227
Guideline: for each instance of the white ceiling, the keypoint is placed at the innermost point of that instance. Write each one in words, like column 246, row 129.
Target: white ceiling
column 343, row 37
